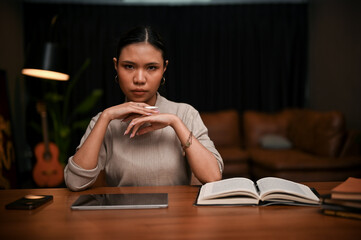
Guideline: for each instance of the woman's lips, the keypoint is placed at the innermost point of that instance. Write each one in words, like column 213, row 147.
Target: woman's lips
column 139, row 92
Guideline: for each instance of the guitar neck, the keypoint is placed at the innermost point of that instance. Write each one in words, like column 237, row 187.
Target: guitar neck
column 44, row 125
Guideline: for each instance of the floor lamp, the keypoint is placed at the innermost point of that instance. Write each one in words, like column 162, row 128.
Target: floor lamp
column 46, row 63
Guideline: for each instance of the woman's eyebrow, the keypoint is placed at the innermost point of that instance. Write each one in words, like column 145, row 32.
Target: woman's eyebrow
column 147, row 64
column 129, row 62
column 153, row 63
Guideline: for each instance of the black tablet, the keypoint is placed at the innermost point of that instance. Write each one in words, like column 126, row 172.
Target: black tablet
column 121, row 201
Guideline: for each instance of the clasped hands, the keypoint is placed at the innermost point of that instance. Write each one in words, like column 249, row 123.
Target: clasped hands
column 141, row 120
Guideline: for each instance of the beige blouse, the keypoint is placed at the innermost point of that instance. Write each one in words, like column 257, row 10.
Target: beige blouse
column 152, row 159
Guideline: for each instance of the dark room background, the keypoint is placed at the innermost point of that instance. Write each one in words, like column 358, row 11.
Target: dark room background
column 250, row 76
column 245, row 56
column 240, row 55
column 269, row 68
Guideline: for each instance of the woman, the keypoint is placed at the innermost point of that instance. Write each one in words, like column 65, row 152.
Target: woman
column 135, row 144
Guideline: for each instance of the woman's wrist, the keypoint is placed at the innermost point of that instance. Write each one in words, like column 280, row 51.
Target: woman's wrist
column 106, row 115
column 184, row 134
column 175, row 122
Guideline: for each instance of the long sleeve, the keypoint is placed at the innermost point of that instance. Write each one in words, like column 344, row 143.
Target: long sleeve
column 152, row 159
column 77, row 178
column 194, row 122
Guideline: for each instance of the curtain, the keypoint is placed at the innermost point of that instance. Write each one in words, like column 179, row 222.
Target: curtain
column 241, row 56
column 224, row 56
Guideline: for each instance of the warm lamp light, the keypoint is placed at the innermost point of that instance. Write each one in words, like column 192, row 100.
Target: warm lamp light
column 45, row 74
column 47, row 62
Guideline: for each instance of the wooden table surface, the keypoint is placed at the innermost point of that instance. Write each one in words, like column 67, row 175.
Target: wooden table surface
column 181, row 220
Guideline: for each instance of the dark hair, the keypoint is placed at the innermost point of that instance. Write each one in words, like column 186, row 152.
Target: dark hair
column 142, row 34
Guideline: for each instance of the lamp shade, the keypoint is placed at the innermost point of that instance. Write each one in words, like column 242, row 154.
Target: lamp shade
column 46, row 62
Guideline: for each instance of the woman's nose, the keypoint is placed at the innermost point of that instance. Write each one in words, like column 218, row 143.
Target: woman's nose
column 139, row 77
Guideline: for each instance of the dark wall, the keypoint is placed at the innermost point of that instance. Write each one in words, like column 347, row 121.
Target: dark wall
column 246, row 56
column 335, row 58
column 11, row 61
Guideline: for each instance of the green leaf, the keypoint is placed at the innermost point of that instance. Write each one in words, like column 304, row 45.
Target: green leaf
column 53, row 97
column 89, row 102
column 64, row 132
column 81, row 124
column 73, row 82
column 36, row 127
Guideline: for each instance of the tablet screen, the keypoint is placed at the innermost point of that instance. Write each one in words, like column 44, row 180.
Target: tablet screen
column 121, row 201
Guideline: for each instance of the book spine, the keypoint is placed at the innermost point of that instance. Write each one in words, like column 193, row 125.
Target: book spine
column 337, row 207
column 257, row 189
column 342, row 214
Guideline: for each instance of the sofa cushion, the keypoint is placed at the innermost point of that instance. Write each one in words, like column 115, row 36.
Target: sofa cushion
column 234, row 154
column 236, row 162
column 283, row 160
column 223, row 127
column 320, row 133
column 299, row 175
column 273, row 141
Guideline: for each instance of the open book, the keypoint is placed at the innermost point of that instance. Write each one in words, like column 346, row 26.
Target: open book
column 266, row 191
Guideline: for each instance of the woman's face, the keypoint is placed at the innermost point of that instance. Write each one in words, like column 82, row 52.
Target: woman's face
column 140, row 69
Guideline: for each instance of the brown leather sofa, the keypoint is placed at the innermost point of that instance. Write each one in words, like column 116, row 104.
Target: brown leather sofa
column 318, row 146
column 225, row 131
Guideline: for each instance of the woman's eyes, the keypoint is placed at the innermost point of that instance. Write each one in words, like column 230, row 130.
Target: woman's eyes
column 131, row 67
column 152, row 67
column 128, row 66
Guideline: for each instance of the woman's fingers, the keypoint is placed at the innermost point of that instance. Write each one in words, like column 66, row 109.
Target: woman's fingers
column 133, row 127
column 130, row 117
column 131, row 110
column 136, row 123
column 145, row 124
column 147, row 129
column 144, row 109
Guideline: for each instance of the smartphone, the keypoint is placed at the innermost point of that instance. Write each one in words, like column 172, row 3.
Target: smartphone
column 29, row 202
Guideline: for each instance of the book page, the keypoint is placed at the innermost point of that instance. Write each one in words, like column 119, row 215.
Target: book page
column 229, row 187
column 270, row 185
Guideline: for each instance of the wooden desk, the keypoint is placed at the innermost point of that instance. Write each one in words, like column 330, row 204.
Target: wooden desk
column 181, row 220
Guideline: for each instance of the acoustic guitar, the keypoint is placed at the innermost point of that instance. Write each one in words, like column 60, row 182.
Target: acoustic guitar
column 47, row 172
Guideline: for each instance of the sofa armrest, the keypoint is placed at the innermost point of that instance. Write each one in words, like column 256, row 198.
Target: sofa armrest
column 352, row 145
column 223, row 127
column 318, row 132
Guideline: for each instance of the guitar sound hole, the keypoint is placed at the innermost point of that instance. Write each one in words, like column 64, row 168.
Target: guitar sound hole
column 47, row 155
column 48, row 173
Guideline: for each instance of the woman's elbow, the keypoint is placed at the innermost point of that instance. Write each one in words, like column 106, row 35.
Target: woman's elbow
column 216, row 176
